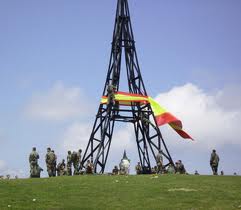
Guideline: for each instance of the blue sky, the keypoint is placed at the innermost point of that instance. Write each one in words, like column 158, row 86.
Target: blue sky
column 54, row 56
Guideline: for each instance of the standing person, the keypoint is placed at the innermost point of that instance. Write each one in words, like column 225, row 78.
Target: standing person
column 182, row 169
column 49, row 159
column 214, row 160
column 75, row 162
column 69, row 164
column 33, row 161
column 79, row 160
column 54, row 163
column 159, row 161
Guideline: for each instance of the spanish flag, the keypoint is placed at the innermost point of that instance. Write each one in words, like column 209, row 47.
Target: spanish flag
column 162, row 116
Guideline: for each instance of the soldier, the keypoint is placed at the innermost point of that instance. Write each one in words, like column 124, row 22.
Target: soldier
column 145, row 118
column 214, row 160
column 50, row 159
column 61, row 168
column 79, row 160
column 89, row 167
column 196, row 173
column 182, row 169
column 138, row 168
column 39, row 170
column 159, row 161
column 74, row 159
column 33, row 161
column 111, row 89
column 69, row 164
column 115, row 171
column 54, row 163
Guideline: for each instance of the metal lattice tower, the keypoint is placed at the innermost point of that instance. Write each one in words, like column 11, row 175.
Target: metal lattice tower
column 148, row 136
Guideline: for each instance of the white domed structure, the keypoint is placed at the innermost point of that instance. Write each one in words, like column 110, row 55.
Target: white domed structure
column 124, row 165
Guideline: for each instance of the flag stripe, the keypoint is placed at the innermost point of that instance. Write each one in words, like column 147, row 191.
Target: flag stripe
column 162, row 116
column 168, row 118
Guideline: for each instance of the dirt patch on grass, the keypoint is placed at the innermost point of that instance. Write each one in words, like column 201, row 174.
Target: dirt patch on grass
column 182, row 189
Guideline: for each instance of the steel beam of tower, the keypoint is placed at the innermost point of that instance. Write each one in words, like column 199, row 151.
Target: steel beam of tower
column 148, row 137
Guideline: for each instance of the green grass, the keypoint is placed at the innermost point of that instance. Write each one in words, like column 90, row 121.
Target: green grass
column 130, row 192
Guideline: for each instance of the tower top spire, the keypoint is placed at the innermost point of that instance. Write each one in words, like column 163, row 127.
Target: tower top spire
column 125, row 156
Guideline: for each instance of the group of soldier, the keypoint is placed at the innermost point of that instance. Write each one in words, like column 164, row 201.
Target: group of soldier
column 160, row 169
column 74, row 159
column 179, row 166
column 60, row 169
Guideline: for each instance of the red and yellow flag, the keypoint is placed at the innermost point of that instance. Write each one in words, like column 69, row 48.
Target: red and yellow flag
column 162, row 116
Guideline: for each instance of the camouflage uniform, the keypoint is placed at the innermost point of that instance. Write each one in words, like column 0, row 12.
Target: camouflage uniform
column 181, row 168
column 111, row 94
column 214, row 160
column 69, row 164
column 138, row 168
column 79, row 160
column 33, row 161
column 89, row 167
column 115, row 171
column 75, row 163
column 159, row 161
column 61, row 169
column 54, row 164
column 50, row 159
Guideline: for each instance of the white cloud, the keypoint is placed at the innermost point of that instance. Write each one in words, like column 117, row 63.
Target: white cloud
column 208, row 122
column 59, row 103
column 75, row 137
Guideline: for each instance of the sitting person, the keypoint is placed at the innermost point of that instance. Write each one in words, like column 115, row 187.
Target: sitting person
column 115, row 171
column 89, row 167
column 196, row 173
column 61, row 168
column 138, row 168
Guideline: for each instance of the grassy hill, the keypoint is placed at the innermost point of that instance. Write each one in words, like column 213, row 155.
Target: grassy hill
column 122, row 192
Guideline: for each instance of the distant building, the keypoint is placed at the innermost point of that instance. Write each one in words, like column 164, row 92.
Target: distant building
column 124, row 165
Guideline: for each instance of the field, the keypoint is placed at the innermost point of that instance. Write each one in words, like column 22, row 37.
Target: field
column 122, row 192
